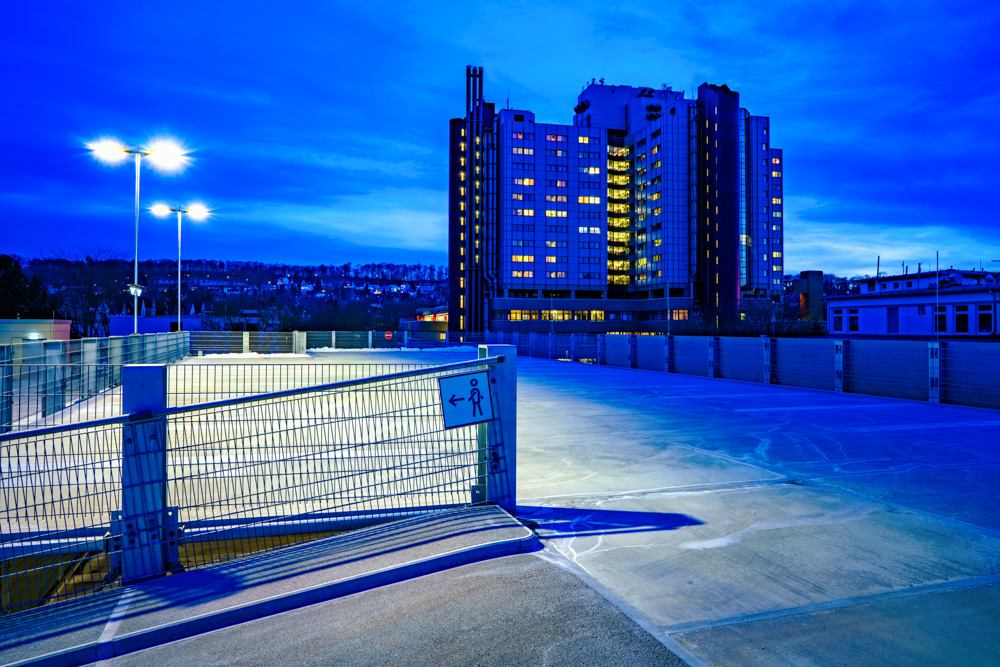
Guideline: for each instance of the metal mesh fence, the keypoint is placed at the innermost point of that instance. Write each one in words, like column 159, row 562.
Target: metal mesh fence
column 192, row 383
column 970, row 374
column 896, row 368
column 58, row 382
column 803, row 363
column 691, row 355
column 237, row 478
column 741, row 359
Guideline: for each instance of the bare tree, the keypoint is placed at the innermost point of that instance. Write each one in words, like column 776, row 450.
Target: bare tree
column 93, row 285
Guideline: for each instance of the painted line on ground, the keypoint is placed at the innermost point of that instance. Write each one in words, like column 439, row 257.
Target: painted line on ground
column 960, row 584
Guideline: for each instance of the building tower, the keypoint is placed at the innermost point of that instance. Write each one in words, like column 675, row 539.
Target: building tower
column 648, row 208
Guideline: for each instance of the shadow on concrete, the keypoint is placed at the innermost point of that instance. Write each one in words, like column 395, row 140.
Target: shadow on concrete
column 556, row 522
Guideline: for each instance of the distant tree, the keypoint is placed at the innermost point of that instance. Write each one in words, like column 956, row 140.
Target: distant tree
column 92, row 285
column 21, row 297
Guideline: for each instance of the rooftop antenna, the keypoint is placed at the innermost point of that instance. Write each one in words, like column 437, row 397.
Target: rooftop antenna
column 508, row 98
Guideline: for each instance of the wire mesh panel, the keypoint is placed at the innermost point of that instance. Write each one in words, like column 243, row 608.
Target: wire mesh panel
column 216, row 342
column 741, row 359
column 970, row 374
column 803, row 363
column 195, row 382
column 83, row 507
column 618, row 350
column 350, row 340
column 311, row 464
column 588, row 348
column 271, row 342
column 60, row 382
column 691, row 355
column 57, row 493
column 895, row 368
column 649, row 352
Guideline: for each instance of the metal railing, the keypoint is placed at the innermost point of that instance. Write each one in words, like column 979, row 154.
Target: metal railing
column 298, row 342
column 957, row 372
column 51, row 382
column 87, row 506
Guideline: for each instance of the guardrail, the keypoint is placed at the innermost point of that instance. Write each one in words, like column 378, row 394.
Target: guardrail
column 90, row 505
column 956, row 372
column 46, row 382
column 298, row 342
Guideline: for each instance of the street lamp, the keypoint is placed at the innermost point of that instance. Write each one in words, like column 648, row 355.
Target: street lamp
column 195, row 212
column 165, row 155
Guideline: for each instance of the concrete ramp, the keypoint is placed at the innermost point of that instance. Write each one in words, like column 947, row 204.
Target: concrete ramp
column 132, row 618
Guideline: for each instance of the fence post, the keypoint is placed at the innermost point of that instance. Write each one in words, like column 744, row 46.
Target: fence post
column 838, row 365
column 6, row 388
column 552, row 345
column 573, row 347
column 246, row 342
column 767, row 359
column 501, row 480
column 144, row 533
column 934, row 372
column 713, row 356
column 668, row 354
column 333, row 339
column 53, row 388
column 369, row 340
column 601, row 345
column 406, row 339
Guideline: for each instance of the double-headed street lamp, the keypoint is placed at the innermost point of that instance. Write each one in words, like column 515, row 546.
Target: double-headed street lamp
column 195, row 212
column 166, row 156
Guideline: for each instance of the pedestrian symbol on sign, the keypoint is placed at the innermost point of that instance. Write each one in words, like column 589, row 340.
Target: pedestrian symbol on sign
column 466, row 399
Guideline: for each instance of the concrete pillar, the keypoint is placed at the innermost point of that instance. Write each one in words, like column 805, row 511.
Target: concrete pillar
column 934, row 372
column 333, row 339
column 839, row 351
column 406, row 339
column 552, row 345
column 246, row 342
column 601, row 346
column 501, row 463
column 144, row 533
column 369, row 340
column 573, row 346
column 668, row 354
column 531, row 343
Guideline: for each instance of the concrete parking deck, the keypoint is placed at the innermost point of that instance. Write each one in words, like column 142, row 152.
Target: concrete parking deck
column 737, row 523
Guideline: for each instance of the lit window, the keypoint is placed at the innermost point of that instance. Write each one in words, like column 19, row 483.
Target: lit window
column 522, row 258
column 588, row 200
column 518, row 195
column 776, row 214
column 556, row 214
column 584, row 140
column 775, row 200
column 776, row 254
column 775, row 174
column 590, row 170
column 524, row 181
column 776, row 160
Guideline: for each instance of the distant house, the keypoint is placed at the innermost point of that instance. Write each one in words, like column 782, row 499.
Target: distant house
column 965, row 303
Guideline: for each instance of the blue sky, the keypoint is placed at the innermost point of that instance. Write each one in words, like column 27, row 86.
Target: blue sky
column 319, row 129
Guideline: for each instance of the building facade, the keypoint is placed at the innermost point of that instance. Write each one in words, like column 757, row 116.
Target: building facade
column 648, row 208
column 949, row 303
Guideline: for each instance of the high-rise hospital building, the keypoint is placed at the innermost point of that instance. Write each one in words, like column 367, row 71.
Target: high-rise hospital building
column 648, row 208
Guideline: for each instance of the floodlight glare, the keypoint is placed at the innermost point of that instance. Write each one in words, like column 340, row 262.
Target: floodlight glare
column 166, row 155
column 197, row 211
column 108, row 150
column 135, row 290
column 160, row 210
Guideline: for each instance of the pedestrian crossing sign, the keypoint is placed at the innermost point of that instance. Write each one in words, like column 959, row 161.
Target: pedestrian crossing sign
column 466, row 399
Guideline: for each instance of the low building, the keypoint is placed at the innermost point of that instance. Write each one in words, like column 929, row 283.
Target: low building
column 18, row 331
column 949, row 303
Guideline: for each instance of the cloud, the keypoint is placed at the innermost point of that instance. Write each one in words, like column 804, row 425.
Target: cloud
column 850, row 248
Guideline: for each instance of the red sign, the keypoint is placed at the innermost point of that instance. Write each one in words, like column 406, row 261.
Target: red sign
column 388, row 335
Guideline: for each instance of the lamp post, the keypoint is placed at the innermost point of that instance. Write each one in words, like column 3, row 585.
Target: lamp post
column 163, row 154
column 195, row 212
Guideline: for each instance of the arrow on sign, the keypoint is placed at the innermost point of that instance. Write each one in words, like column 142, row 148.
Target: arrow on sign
column 454, row 400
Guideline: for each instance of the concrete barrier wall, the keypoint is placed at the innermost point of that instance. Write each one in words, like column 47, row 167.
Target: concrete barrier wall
column 741, row 359
column 691, row 355
column 894, row 368
column 970, row 374
column 649, row 352
column 800, row 362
